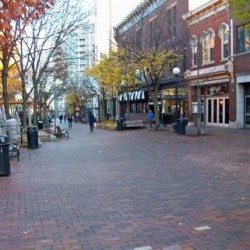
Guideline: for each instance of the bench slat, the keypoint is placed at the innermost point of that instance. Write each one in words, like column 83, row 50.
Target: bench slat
column 134, row 123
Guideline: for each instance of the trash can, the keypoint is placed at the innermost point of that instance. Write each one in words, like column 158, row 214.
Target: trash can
column 40, row 124
column 181, row 124
column 120, row 124
column 175, row 127
column 32, row 137
column 4, row 155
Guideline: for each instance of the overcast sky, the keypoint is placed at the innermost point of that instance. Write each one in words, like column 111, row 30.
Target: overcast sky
column 121, row 8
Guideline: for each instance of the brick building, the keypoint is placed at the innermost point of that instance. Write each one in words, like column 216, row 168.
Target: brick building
column 241, row 62
column 211, row 93
column 158, row 22
column 214, row 83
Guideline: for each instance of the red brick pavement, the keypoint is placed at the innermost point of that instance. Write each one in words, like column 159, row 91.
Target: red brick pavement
column 136, row 189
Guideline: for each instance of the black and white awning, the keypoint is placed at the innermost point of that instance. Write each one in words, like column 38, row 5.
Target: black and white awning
column 132, row 96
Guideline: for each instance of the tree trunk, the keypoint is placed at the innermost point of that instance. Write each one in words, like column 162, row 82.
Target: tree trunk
column 199, row 110
column 35, row 100
column 5, row 85
column 25, row 100
column 156, row 110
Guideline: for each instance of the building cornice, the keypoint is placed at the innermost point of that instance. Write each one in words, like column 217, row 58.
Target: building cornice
column 206, row 10
column 140, row 12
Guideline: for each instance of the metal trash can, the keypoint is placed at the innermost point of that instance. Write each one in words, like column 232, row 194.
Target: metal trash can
column 175, row 127
column 40, row 124
column 32, row 137
column 4, row 155
column 182, row 123
column 120, row 124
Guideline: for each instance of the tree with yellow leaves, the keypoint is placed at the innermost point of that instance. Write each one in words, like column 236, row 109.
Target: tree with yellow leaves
column 153, row 64
column 111, row 71
column 125, row 64
column 241, row 10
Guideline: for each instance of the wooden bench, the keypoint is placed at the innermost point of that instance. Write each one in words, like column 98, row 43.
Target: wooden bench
column 134, row 123
column 61, row 132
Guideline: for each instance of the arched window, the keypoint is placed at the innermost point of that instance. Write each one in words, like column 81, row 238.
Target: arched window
column 194, row 50
column 203, row 46
column 207, row 42
column 224, row 36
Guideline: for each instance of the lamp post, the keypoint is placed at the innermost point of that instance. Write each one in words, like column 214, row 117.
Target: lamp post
column 176, row 71
column 124, row 86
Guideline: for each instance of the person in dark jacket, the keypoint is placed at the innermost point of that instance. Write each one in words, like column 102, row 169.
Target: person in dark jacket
column 91, row 122
column 70, row 119
column 164, row 120
column 60, row 118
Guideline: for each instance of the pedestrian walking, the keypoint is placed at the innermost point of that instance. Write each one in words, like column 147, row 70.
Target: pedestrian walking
column 164, row 120
column 70, row 121
column 150, row 118
column 60, row 118
column 91, row 122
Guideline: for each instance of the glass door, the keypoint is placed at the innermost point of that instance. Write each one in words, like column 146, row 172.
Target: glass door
column 247, row 111
column 218, row 111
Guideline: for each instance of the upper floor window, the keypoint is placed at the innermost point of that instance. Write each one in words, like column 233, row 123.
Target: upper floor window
column 153, row 33
column 207, row 42
column 243, row 39
column 139, row 38
column 194, row 50
column 224, row 36
column 171, row 22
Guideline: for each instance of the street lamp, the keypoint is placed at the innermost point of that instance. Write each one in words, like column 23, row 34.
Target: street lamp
column 176, row 71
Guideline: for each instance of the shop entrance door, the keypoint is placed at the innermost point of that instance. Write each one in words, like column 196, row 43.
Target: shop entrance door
column 247, row 111
column 217, row 111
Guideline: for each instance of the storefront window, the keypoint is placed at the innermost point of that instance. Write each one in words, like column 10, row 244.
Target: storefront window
column 220, row 110
column 215, row 110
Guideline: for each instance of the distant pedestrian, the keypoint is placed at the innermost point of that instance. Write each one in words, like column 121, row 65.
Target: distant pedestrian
column 150, row 118
column 164, row 119
column 60, row 118
column 64, row 118
column 70, row 119
column 91, row 122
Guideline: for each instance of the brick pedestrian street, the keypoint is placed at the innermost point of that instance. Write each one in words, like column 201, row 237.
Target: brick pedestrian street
column 130, row 190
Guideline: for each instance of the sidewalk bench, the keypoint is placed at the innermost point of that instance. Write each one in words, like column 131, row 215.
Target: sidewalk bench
column 134, row 123
column 61, row 132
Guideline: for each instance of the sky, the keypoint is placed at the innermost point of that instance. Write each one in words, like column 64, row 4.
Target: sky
column 120, row 9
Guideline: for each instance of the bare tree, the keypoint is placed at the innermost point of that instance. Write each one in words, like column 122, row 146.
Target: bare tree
column 150, row 52
column 42, row 40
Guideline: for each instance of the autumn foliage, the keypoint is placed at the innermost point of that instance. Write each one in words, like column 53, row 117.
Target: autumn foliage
column 12, row 11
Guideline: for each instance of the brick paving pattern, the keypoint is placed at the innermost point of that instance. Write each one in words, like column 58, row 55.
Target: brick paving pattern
column 135, row 189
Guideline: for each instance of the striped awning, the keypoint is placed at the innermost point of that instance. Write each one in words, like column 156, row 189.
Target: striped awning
column 132, row 96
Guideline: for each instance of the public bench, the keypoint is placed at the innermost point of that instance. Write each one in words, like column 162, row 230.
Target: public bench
column 61, row 132
column 134, row 123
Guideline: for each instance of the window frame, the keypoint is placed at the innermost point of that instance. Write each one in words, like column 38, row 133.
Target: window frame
column 194, row 50
column 242, row 35
column 224, row 36
column 208, row 47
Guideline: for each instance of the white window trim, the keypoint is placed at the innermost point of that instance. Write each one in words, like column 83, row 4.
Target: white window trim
column 223, row 29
